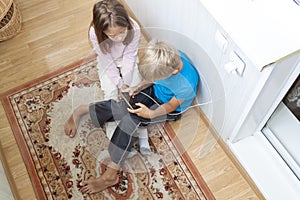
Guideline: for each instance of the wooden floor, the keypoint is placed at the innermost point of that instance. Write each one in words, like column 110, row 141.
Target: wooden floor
column 53, row 35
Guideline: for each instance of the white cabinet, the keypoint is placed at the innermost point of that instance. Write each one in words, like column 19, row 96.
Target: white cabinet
column 265, row 30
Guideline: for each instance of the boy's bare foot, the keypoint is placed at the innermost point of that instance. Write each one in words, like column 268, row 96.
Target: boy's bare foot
column 71, row 126
column 72, row 123
column 92, row 186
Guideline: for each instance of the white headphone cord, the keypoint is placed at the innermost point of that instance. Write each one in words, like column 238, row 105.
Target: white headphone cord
column 192, row 106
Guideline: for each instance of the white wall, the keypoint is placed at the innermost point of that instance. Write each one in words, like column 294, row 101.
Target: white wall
column 233, row 95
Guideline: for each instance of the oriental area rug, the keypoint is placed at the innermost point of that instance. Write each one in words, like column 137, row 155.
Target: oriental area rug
column 37, row 112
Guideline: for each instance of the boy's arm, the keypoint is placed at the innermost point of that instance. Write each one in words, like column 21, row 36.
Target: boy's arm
column 164, row 109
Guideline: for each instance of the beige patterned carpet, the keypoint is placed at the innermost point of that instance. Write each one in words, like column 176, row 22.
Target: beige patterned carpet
column 57, row 164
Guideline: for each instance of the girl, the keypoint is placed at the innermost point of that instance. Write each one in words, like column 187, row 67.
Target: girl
column 115, row 37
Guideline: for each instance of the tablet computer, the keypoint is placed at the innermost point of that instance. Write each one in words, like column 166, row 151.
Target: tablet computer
column 126, row 97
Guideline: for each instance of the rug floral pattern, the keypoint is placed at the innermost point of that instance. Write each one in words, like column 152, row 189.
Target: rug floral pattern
column 61, row 163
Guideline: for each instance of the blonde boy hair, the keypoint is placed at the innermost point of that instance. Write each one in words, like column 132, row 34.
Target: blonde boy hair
column 159, row 59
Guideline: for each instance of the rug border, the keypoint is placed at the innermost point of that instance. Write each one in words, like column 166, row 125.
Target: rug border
column 189, row 163
column 25, row 154
column 27, row 159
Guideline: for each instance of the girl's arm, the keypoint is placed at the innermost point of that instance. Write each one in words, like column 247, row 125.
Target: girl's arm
column 139, row 87
column 107, row 62
column 130, row 55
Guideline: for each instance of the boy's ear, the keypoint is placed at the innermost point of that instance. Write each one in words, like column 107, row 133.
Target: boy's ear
column 178, row 69
column 175, row 71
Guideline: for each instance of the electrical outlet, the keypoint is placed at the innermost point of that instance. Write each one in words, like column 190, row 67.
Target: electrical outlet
column 235, row 65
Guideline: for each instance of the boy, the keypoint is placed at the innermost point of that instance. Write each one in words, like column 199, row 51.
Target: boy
column 169, row 87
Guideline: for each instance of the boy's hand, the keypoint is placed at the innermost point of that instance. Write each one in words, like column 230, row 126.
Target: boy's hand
column 142, row 111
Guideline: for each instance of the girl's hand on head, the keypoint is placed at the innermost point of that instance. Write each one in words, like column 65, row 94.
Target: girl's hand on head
column 124, row 87
column 142, row 111
column 119, row 94
column 134, row 90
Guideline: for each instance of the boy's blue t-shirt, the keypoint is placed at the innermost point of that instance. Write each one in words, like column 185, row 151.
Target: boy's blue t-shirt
column 182, row 85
